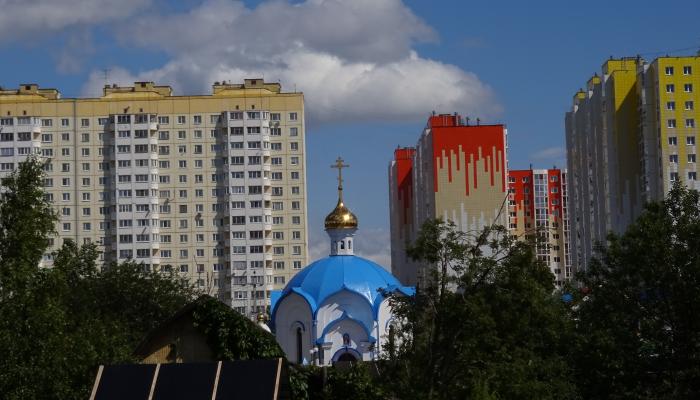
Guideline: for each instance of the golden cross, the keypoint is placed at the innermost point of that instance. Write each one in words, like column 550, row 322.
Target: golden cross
column 339, row 164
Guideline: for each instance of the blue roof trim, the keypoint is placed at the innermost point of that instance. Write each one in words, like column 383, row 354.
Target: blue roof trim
column 344, row 317
column 331, row 275
column 405, row 290
column 275, row 295
column 284, row 294
column 343, row 289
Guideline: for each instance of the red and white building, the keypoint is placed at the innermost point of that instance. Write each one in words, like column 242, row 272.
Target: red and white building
column 456, row 171
column 537, row 208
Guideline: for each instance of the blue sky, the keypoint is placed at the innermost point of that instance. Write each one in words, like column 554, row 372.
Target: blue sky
column 513, row 62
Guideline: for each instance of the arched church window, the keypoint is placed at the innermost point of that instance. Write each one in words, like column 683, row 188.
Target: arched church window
column 349, row 244
column 300, row 347
column 342, row 245
column 346, row 339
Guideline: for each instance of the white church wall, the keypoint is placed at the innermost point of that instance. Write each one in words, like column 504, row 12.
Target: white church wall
column 294, row 312
column 354, row 305
column 384, row 317
column 359, row 342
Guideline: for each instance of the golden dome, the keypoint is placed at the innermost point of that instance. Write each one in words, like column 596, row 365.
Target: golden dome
column 341, row 218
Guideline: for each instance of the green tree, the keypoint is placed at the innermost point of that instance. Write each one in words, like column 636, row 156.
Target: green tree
column 638, row 322
column 26, row 222
column 59, row 324
column 484, row 324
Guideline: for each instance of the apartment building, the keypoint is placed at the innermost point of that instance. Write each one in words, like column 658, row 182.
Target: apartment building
column 630, row 135
column 210, row 187
column 538, row 212
column 457, row 172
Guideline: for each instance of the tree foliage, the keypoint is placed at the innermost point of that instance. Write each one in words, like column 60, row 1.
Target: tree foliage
column 26, row 222
column 357, row 381
column 231, row 335
column 639, row 327
column 59, row 324
column 485, row 324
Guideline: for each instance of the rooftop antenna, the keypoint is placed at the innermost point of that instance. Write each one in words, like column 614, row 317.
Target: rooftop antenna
column 105, row 74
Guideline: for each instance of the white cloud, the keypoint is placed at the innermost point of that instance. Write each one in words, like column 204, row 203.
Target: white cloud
column 353, row 59
column 26, row 19
column 69, row 59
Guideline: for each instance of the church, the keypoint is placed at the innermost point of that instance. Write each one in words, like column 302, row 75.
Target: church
column 336, row 309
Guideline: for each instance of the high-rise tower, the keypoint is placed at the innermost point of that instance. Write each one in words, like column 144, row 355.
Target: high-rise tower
column 630, row 135
column 211, row 187
column 457, row 172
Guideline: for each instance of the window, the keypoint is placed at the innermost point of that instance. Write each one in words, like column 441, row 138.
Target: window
column 672, row 141
column 293, row 131
column 669, row 70
column 691, row 158
column 690, row 123
column 671, row 123
column 673, row 176
column 296, row 265
column 197, row 119
column 296, row 220
column 296, row 235
column 294, row 146
column 670, row 88
column 293, row 116
column 181, row 119
column 690, row 140
column 688, row 88
column 673, row 158
column 294, row 160
column 692, row 175
column 670, row 105
column 689, row 105
column 65, row 122
column 687, row 70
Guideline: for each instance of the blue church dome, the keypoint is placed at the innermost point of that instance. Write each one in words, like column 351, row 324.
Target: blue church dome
column 328, row 276
column 348, row 315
